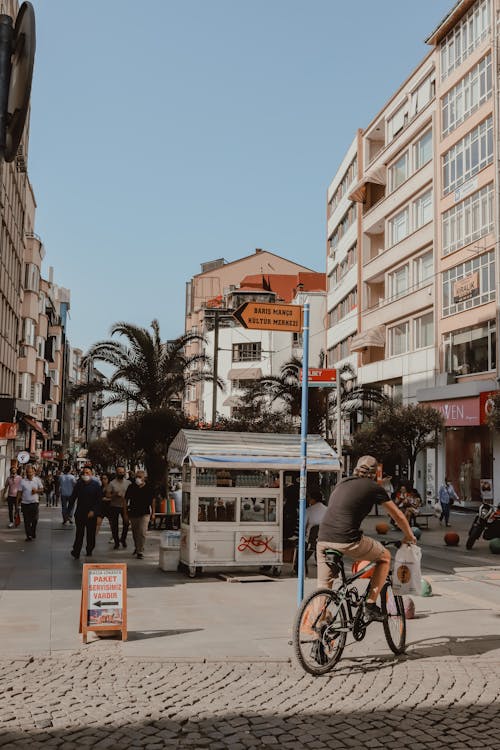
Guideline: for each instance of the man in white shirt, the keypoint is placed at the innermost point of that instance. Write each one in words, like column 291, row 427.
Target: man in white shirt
column 315, row 510
column 29, row 495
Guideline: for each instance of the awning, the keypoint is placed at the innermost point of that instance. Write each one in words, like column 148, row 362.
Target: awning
column 376, row 176
column 372, row 337
column 245, row 373
column 232, row 401
column 250, row 450
column 34, row 425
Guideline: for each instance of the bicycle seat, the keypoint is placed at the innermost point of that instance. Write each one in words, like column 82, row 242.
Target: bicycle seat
column 334, row 555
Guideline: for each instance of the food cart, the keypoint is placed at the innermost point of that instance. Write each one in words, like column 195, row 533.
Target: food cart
column 232, row 494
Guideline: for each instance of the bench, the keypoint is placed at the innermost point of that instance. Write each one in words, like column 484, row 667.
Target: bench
column 424, row 515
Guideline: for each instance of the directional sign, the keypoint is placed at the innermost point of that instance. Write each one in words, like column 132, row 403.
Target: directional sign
column 104, row 599
column 321, row 377
column 264, row 316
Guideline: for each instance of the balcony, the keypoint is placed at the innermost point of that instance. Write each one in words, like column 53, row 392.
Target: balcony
column 386, row 310
column 378, row 264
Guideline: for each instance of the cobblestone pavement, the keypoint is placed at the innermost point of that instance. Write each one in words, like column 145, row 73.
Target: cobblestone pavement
column 76, row 701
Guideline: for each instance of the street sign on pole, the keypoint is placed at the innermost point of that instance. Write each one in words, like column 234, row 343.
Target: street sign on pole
column 264, row 316
column 321, row 378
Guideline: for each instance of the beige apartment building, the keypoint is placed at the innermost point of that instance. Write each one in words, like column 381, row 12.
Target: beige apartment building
column 207, row 290
column 427, row 241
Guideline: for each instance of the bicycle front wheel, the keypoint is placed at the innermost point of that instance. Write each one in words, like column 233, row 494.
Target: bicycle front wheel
column 320, row 631
column 395, row 622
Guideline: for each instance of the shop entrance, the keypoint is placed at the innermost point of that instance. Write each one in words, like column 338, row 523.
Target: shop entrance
column 469, row 460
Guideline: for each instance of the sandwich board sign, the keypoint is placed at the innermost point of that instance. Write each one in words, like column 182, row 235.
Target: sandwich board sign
column 104, row 599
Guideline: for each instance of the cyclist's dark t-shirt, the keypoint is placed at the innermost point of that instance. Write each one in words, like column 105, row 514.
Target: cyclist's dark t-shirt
column 350, row 502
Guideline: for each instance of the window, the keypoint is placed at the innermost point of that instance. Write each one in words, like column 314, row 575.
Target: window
column 422, row 209
column 31, row 277
column 29, row 332
column 399, row 226
column 469, row 220
column 399, row 171
column 467, row 157
column 422, row 150
column 344, row 307
column 463, row 39
column 347, row 179
column 423, row 268
column 398, row 282
column 248, row 352
column 424, row 331
column 481, row 273
column 422, row 95
column 24, row 386
column 343, row 226
column 217, row 509
column 399, row 339
column 397, row 122
column 471, row 350
column 242, row 384
column 473, row 90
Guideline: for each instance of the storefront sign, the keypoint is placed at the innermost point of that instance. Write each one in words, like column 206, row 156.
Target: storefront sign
column 257, row 545
column 104, row 599
column 486, row 405
column 458, row 412
column 466, row 288
column 8, row 430
column 47, row 454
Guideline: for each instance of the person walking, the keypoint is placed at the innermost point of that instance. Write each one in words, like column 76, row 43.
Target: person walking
column 49, row 487
column 140, row 497
column 29, row 497
column 447, row 497
column 87, row 494
column 103, row 511
column 66, row 486
column 117, row 490
column 12, row 486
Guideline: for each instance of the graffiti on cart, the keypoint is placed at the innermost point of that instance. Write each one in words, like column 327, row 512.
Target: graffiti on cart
column 257, row 544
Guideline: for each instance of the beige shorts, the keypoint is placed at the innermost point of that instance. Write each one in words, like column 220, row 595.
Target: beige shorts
column 366, row 549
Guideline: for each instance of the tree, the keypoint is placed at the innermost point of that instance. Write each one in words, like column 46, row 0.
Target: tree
column 407, row 430
column 493, row 411
column 147, row 372
column 267, row 422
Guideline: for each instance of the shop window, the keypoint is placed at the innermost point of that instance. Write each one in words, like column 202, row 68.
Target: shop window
column 258, row 510
column 469, row 284
column 217, row 509
column 186, row 506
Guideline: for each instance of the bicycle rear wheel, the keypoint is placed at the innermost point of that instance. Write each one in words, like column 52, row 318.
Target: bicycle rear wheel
column 395, row 622
column 320, row 631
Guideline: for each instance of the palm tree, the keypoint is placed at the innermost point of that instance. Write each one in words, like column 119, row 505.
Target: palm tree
column 286, row 388
column 147, row 372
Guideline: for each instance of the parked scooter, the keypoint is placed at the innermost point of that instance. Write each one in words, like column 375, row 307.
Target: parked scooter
column 485, row 524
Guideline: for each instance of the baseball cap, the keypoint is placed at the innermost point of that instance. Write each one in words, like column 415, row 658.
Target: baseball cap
column 367, row 463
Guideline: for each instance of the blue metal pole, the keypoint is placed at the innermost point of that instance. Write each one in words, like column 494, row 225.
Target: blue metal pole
column 303, row 456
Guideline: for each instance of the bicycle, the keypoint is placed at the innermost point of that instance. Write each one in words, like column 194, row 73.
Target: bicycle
column 320, row 631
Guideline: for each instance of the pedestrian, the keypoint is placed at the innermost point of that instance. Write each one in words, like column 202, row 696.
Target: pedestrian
column 316, row 509
column 176, row 495
column 103, row 511
column 117, row 490
column 87, row 494
column 29, row 496
column 12, row 486
column 140, row 498
column 49, row 489
column 66, row 486
column 447, row 497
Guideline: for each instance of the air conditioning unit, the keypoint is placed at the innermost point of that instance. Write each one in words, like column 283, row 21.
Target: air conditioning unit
column 34, row 410
column 50, row 412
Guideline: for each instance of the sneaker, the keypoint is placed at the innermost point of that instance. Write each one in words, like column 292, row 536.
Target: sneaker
column 117, row 546
column 28, row 539
column 372, row 613
column 73, row 554
column 134, row 552
column 11, row 526
column 140, row 556
column 124, row 545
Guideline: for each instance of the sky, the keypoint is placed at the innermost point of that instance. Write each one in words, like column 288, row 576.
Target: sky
column 167, row 133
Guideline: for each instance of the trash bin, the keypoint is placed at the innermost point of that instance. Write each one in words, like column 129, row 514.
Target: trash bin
column 170, row 548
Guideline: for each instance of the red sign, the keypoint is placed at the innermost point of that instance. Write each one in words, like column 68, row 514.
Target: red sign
column 486, row 405
column 458, row 412
column 321, row 375
column 8, row 430
column 47, row 454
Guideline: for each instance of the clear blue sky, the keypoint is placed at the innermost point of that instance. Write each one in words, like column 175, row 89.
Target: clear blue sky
column 167, row 133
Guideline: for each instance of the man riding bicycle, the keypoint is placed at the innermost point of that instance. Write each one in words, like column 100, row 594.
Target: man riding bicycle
column 350, row 503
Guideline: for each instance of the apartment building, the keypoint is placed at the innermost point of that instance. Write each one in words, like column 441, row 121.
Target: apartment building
column 208, row 289
column 245, row 355
column 466, row 242
column 86, row 417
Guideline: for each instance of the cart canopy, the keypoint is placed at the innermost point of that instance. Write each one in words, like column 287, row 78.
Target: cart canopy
column 248, row 450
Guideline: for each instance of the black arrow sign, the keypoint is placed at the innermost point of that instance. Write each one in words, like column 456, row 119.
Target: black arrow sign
column 105, row 604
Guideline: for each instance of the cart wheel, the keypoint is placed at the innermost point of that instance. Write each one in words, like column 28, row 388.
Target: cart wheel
column 192, row 571
column 276, row 572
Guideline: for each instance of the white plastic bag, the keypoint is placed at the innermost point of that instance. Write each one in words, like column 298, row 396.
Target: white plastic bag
column 407, row 574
